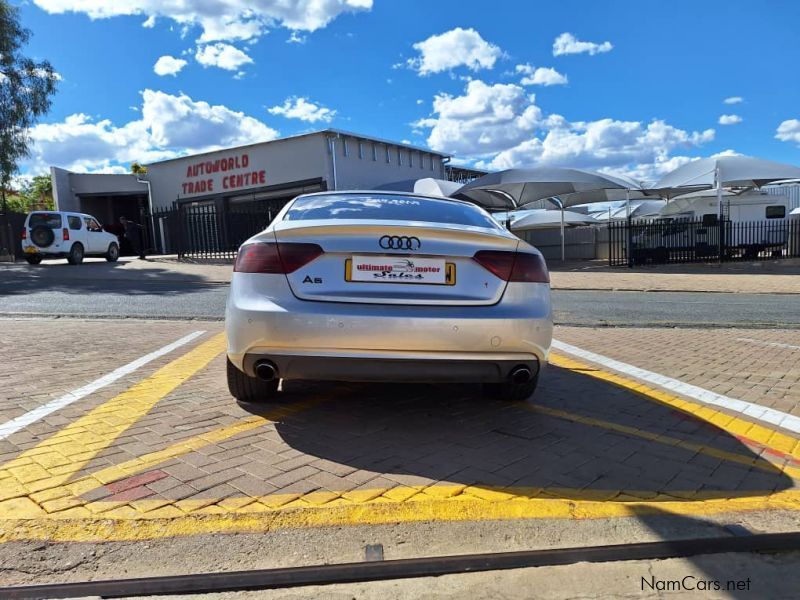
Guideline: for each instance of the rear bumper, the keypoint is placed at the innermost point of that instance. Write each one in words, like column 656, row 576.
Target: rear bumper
column 366, row 342
column 429, row 367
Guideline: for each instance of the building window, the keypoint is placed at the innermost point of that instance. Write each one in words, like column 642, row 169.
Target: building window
column 360, row 149
column 344, row 146
column 374, row 151
column 776, row 212
column 388, row 154
column 431, row 162
column 400, row 157
column 410, row 159
column 421, row 160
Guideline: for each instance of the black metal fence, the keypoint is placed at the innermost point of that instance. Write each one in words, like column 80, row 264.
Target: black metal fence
column 10, row 235
column 211, row 231
column 660, row 241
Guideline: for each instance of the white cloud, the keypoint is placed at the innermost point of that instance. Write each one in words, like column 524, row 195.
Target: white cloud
column 168, row 65
column 503, row 127
column 567, row 43
column 487, row 118
column 296, row 38
column 540, row 76
column 789, row 131
column 218, row 19
column 150, row 22
column 733, row 100
column 729, row 119
column 454, row 48
column 304, row 110
column 169, row 126
column 221, row 55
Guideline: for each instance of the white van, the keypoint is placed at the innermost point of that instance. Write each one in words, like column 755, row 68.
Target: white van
column 58, row 234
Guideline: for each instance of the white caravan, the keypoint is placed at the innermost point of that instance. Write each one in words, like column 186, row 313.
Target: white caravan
column 688, row 225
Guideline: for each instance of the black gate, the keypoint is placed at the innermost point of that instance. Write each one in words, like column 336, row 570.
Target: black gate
column 659, row 241
column 208, row 231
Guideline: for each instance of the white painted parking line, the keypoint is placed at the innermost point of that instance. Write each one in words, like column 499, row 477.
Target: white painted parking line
column 14, row 425
column 754, row 411
column 769, row 344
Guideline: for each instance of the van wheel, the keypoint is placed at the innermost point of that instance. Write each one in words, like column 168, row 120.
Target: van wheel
column 113, row 252
column 75, row 254
column 33, row 260
column 510, row 392
column 249, row 389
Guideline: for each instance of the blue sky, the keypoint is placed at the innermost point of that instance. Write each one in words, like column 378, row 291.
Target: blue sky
column 633, row 87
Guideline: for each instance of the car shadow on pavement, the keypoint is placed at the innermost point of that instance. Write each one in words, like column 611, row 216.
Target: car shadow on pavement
column 578, row 438
column 98, row 276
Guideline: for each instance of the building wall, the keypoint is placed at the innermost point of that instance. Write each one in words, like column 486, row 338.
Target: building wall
column 360, row 164
column 63, row 197
column 235, row 171
column 69, row 187
column 365, row 164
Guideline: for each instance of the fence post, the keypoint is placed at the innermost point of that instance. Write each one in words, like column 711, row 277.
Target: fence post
column 628, row 241
column 180, row 232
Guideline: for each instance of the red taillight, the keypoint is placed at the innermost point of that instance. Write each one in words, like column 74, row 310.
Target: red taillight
column 514, row 266
column 274, row 258
column 24, row 233
column 65, row 234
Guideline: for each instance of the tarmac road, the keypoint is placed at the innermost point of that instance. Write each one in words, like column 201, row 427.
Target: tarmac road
column 192, row 298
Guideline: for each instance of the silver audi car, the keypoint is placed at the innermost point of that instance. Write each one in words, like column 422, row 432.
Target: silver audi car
column 383, row 286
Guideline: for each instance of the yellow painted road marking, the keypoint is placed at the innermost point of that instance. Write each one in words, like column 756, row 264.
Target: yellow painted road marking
column 152, row 459
column 764, row 436
column 742, row 459
column 261, row 516
column 42, row 468
column 151, row 518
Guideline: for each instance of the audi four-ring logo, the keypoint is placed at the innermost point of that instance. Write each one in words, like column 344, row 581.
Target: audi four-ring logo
column 399, row 242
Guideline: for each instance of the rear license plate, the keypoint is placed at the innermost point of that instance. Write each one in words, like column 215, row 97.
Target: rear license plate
column 399, row 269
column 30, row 250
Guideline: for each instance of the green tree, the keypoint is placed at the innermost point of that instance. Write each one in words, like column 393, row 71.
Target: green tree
column 138, row 168
column 38, row 193
column 26, row 88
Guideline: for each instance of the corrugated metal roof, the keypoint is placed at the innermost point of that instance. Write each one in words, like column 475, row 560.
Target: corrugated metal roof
column 329, row 131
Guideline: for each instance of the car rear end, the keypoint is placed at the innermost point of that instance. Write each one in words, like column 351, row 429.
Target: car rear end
column 45, row 233
column 388, row 287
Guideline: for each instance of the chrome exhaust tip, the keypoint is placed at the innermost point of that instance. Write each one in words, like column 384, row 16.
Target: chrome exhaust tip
column 265, row 370
column 520, row 374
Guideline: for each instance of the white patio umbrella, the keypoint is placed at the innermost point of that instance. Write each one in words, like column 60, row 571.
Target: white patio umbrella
column 721, row 172
column 426, row 185
column 519, row 187
column 542, row 219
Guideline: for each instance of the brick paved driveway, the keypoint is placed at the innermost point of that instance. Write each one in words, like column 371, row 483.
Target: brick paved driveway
column 165, row 450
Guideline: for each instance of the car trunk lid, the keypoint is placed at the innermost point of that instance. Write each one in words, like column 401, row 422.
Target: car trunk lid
column 392, row 263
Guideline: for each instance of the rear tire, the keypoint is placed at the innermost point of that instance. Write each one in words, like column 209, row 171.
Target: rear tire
column 249, row 389
column 75, row 254
column 113, row 252
column 510, row 392
column 33, row 260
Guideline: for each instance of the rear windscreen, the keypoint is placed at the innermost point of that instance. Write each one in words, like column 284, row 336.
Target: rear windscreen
column 388, row 208
column 51, row 220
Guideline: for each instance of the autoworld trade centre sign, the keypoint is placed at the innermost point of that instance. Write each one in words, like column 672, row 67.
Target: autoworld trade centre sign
column 222, row 174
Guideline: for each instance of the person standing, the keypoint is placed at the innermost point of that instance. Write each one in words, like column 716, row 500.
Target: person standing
column 133, row 233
